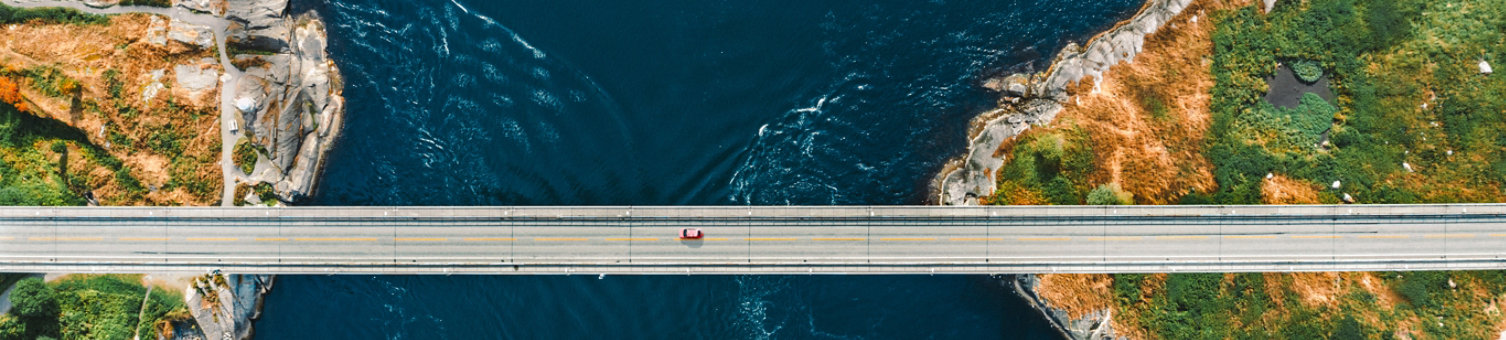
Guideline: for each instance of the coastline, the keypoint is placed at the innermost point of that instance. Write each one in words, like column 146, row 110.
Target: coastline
column 274, row 86
column 1035, row 99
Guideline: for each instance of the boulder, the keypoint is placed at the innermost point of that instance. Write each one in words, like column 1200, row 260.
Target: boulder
column 1485, row 68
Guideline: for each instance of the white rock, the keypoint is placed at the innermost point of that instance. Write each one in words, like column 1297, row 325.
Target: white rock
column 1450, row 152
column 1335, row 185
column 1348, row 199
column 1485, row 68
column 245, row 104
column 1269, row 4
column 1404, row 165
column 1269, row 175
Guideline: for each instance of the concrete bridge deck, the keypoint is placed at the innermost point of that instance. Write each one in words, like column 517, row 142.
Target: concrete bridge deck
column 753, row 240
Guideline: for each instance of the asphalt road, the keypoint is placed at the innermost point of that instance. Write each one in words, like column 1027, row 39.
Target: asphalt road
column 833, row 240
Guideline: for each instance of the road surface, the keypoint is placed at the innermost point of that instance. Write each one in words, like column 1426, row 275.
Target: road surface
column 752, row 240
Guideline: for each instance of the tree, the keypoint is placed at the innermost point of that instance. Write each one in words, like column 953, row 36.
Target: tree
column 11, row 94
column 33, row 299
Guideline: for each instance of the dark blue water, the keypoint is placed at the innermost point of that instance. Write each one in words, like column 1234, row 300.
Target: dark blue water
column 576, row 102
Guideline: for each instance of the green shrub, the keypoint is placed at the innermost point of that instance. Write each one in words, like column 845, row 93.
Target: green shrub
column 1127, row 287
column 148, row 3
column 114, row 84
column 1110, row 194
column 1420, row 287
column 245, row 155
column 1308, row 71
column 51, row 15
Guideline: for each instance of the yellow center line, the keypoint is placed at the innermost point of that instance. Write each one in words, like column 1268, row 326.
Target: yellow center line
column 559, row 239
column 271, row 239
column 1044, row 239
column 771, row 239
column 143, row 239
column 1251, row 236
column 335, row 239
column 1182, row 237
column 839, row 239
column 1315, row 236
column 421, row 239
column 977, row 239
column 1450, row 236
column 7, row 238
column 213, row 239
column 1114, row 238
column 67, row 239
column 1382, row 236
column 1497, row 235
column 713, row 239
column 632, row 239
column 490, row 239
column 907, row 239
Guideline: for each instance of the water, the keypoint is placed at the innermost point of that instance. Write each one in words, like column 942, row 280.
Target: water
column 499, row 102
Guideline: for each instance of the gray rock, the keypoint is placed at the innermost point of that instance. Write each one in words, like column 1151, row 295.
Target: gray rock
column 298, row 109
column 259, row 24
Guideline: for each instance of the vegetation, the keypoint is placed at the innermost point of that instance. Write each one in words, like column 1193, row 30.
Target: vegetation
column 89, row 307
column 1110, row 194
column 1408, row 91
column 1047, row 168
column 148, row 3
column 1444, row 305
column 245, row 155
column 1308, row 71
column 50, row 15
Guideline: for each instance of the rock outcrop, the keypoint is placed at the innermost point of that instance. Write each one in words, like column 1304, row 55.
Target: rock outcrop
column 224, row 306
column 1093, row 326
column 1036, row 99
column 293, row 92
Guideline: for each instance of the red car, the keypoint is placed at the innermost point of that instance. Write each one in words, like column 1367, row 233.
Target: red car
column 690, row 234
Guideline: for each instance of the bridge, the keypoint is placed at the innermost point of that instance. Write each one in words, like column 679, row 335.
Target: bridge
column 753, row 240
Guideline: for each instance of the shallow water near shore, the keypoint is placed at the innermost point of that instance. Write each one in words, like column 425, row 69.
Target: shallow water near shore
column 576, row 102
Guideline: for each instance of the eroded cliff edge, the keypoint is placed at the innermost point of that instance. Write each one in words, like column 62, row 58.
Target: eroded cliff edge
column 1035, row 99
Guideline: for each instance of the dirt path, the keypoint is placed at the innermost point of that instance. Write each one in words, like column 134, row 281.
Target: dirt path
column 227, row 86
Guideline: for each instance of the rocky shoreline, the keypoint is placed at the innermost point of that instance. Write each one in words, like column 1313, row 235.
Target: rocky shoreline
column 1094, row 326
column 280, row 90
column 288, row 97
column 1035, row 99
